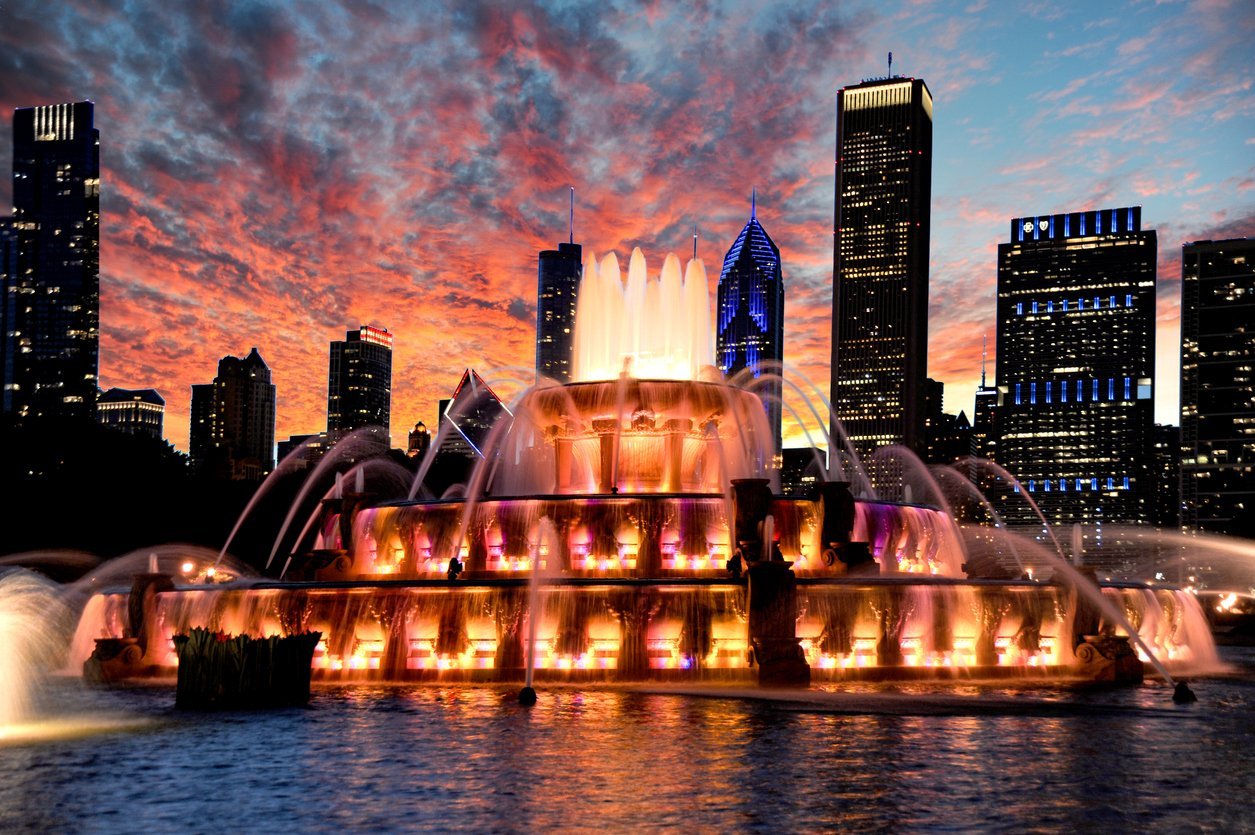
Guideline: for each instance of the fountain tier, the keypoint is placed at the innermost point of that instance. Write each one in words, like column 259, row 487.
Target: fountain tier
column 627, row 521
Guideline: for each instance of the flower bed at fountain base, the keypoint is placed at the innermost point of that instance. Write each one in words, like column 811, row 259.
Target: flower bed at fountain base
column 846, row 629
column 218, row 671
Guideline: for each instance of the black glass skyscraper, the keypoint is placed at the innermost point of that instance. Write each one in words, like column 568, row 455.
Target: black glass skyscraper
column 880, row 261
column 8, row 312
column 749, row 326
column 1076, row 365
column 359, row 383
column 1218, row 386
column 52, row 293
column 558, row 283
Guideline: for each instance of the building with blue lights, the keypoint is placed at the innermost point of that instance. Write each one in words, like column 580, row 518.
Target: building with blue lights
column 880, row 264
column 1076, row 366
column 749, row 326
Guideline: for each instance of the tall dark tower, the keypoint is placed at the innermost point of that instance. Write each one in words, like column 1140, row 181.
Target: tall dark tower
column 8, row 311
column 1076, row 366
column 232, row 433
column 52, row 330
column 880, row 261
column 359, row 383
column 750, row 323
column 984, row 415
column 1218, row 386
column 558, row 283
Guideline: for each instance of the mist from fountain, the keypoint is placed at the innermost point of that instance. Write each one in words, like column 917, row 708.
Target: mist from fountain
column 287, row 465
column 1019, row 490
column 843, row 465
column 971, row 491
column 356, row 443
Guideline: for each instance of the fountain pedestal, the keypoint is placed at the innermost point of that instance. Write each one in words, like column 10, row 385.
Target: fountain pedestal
column 773, row 626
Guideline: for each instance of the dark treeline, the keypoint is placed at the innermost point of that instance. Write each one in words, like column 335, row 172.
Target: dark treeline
column 92, row 488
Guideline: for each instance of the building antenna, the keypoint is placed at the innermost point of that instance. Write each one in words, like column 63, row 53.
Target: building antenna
column 571, row 222
column 891, row 65
column 984, row 337
column 694, row 241
column 753, row 203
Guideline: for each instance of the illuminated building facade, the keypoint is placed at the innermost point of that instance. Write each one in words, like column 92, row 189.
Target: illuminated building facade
column 359, row 384
column 232, row 433
column 801, row 470
column 136, row 412
column 1218, row 387
column 51, row 313
column 8, row 310
column 749, row 328
column 1165, row 510
column 558, row 284
column 880, row 262
column 1076, row 364
column 311, row 446
column 419, row 441
column 984, row 422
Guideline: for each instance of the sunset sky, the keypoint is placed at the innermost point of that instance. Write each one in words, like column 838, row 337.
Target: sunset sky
column 273, row 175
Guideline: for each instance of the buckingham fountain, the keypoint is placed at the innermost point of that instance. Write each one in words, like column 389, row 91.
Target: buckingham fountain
column 628, row 526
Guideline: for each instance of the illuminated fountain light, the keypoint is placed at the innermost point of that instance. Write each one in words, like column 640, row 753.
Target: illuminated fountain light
column 656, row 328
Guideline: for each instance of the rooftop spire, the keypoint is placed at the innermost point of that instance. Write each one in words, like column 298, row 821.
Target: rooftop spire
column 983, row 340
column 753, row 204
column 571, row 222
column 694, row 241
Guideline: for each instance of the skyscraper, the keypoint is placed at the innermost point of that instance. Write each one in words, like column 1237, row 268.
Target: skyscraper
column 200, row 435
column 359, row 383
column 750, row 305
column 880, row 261
column 1218, row 386
column 8, row 311
column 947, row 437
column 984, row 416
column 134, row 411
column 233, row 421
column 1076, row 365
column 51, row 314
column 557, row 285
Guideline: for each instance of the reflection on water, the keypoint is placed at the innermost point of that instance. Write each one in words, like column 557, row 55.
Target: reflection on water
column 905, row 756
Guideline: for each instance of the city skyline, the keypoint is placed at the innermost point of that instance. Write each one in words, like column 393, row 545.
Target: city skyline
column 255, row 181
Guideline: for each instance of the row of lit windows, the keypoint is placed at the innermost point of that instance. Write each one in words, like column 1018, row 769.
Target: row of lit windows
column 1061, row 387
column 1034, row 307
column 1060, row 485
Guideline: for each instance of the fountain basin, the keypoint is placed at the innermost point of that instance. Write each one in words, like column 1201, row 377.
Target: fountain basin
column 592, row 629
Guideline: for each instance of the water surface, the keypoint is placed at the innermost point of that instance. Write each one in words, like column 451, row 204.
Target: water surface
column 905, row 757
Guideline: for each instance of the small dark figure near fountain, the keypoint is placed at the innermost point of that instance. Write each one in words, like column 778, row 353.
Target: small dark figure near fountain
column 736, row 566
column 455, row 568
column 1183, row 695
column 527, row 696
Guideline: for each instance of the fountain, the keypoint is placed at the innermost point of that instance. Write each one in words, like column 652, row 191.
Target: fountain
column 628, row 526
